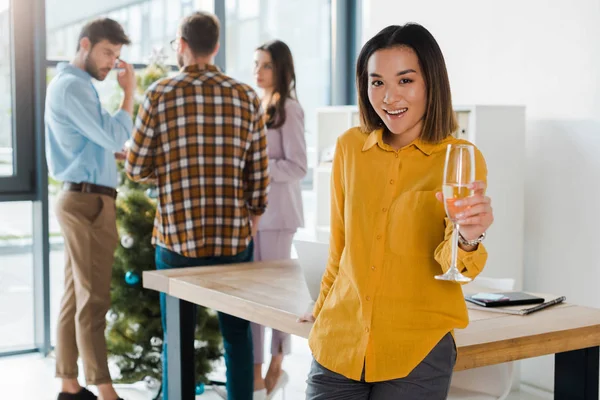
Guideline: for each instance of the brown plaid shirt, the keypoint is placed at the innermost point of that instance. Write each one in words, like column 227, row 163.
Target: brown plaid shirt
column 201, row 136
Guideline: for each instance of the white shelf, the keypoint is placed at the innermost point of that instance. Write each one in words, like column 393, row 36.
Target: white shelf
column 331, row 122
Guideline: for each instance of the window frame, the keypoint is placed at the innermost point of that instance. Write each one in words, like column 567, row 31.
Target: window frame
column 21, row 185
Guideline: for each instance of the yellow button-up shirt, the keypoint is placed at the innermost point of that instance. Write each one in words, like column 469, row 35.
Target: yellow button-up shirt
column 380, row 306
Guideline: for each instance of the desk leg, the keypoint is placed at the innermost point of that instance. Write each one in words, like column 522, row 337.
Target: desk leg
column 180, row 349
column 576, row 375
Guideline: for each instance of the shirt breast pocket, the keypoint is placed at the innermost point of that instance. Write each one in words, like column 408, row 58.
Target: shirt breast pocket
column 415, row 224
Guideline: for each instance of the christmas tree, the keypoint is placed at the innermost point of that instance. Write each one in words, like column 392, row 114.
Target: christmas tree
column 134, row 334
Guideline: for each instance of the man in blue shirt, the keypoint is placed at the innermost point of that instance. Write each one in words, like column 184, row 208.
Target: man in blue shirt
column 82, row 139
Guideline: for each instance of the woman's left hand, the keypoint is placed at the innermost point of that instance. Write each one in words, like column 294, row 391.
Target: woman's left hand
column 478, row 215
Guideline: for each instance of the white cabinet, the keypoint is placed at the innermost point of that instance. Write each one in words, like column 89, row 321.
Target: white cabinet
column 331, row 122
column 499, row 132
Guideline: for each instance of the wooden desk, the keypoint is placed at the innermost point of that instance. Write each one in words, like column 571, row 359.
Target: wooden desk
column 274, row 294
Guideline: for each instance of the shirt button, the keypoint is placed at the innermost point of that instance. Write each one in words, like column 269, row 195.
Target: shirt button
column 384, row 209
column 391, row 181
column 367, row 330
column 373, row 267
column 368, row 298
column 378, row 237
column 396, row 155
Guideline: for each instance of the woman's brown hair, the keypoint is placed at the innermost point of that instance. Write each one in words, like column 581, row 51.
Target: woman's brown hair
column 284, row 77
column 439, row 120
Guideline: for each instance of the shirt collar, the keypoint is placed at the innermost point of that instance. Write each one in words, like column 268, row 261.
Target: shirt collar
column 69, row 68
column 372, row 139
column 196, row 68
column 426, row 148
column 376, row 138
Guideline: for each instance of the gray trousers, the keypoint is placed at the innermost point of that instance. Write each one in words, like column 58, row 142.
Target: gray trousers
column 429, row 380
column 268, row 246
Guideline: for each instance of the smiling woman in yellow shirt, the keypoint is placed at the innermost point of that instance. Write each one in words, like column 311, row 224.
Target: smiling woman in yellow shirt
column 383, row 324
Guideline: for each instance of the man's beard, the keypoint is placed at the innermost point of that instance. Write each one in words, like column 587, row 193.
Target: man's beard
column 92, row 69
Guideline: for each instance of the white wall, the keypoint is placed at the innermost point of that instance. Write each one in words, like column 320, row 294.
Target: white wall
column 544, row 54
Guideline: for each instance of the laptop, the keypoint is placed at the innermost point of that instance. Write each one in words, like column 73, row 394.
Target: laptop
column 312, row 257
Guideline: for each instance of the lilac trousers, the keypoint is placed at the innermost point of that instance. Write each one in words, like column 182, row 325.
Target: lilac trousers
column 271, row 245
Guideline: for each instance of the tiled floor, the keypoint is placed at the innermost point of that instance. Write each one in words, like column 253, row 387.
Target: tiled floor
column 31, row 377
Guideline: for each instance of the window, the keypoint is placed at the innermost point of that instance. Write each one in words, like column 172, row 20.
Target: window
column 150, row 24
column 6, row 125
column 16, row 123
column 16, row 276
column 305, row 26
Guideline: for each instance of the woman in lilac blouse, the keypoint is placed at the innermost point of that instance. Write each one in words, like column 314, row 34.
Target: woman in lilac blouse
column 274, row 73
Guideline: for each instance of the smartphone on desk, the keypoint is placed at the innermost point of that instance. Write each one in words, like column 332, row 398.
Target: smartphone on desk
column 503, row 299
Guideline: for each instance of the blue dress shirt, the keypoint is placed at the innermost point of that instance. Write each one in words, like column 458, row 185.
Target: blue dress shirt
column 82, row 137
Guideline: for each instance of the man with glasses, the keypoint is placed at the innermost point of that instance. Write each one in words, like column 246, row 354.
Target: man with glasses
column 81, row 141
column 201, row 136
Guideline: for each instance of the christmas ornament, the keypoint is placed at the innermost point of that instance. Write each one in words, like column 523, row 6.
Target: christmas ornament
column 199, row 389
column 131, row 278
column 151, row 383
column 127, row 241
column 152, row 193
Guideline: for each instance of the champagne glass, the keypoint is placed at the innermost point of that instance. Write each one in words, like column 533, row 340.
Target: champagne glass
column 459, row 172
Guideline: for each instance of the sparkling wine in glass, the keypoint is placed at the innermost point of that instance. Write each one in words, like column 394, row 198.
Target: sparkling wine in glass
column 459, row 172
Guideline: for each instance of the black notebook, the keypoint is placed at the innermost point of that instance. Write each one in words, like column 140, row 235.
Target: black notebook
column 503, row 299
column 510, row 308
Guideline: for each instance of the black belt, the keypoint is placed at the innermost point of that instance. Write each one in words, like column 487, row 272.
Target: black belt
column 85, row 187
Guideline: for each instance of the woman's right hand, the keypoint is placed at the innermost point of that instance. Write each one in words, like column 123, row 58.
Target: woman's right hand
column 306, row 317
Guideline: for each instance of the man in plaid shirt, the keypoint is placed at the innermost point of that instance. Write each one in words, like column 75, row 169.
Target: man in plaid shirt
column 200, row 135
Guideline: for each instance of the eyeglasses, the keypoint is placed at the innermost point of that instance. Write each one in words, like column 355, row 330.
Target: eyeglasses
column 174, row 43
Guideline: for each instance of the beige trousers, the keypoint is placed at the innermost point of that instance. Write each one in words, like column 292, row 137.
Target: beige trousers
column 88, row 223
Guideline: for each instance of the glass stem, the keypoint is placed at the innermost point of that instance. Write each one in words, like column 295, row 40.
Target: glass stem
column 454, row 247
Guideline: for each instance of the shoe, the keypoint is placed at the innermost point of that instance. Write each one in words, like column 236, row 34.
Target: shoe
column 83, row 394
column 283, row 380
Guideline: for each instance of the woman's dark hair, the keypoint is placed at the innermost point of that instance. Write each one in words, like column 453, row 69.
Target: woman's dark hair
column 439, row 119
column 284, row 78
